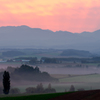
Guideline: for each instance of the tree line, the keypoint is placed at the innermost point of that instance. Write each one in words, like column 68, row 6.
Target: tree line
column 38, row 89
column 29, row 73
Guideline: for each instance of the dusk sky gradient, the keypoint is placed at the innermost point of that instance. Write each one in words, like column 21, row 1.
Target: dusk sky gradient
column 55, row 15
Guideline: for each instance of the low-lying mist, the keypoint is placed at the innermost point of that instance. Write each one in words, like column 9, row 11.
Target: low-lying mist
column 60, row 68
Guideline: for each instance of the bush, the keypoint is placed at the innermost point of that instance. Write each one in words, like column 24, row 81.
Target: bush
column 50, row 89
column 72, row 88
column 14, row 91
column 39, row 88
column 30, row 90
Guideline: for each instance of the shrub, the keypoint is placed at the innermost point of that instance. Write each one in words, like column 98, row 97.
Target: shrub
column 30, row 90
column 72, row 88
column 39, row 88
column 14, row 91
column 49, row 89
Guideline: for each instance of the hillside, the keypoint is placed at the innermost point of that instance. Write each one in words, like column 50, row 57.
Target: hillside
column 79, row 53
column 29, row 73
column 24, row 36
column 83, row 95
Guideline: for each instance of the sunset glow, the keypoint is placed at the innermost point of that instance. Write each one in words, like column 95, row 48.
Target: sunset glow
column 55, row 15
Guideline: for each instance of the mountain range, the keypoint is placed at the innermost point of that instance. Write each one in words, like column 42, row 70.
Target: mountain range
column 26, row 37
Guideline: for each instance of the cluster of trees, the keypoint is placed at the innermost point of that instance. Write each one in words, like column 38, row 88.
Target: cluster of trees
column 33, row 60
column 40, row 89
column 49, row 60
column 72, row 89
column 26, row 72
column 29, row 73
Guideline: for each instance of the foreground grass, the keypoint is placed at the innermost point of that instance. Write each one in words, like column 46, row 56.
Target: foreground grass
column 33, row 97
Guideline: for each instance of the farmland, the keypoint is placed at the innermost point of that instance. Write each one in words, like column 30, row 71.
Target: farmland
column 83, row 77
column 87, row 76
column 31, row 97
column 87, row 82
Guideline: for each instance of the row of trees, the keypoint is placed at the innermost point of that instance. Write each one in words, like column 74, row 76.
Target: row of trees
column 40, row 89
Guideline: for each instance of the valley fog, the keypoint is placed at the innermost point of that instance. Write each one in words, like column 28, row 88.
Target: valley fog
column 59, row 68
column 75, row 71
column 64, row 75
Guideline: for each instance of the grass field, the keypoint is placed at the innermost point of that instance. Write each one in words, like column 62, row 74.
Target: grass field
column 33, row 97
column 87, row 82
column 84, row 81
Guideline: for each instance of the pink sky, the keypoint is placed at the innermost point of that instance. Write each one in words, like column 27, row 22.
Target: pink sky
column 65, row 15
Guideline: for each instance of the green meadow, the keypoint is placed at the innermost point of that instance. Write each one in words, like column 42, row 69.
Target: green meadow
column 33, row 97
column 87, row 82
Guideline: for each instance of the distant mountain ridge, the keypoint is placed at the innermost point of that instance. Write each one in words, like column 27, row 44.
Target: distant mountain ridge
column 24, row 36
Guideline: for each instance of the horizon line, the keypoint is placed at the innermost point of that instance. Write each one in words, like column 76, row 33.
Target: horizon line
column 49, row 29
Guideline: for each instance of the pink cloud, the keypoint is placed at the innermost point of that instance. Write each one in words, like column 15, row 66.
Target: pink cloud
column 75, row 19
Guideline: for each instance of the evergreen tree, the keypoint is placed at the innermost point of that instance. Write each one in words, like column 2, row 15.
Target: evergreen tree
column 72, row 88
column 6, row 82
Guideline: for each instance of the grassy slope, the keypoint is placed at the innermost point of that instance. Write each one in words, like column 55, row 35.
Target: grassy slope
column 85, row 81
column 34, row 97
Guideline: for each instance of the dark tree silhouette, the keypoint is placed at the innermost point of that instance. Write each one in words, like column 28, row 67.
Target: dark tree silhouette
column 14, row 91
column 72, row 88
column 6, row 82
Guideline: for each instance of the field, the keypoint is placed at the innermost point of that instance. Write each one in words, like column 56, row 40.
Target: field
column 80, row 95
column 79, row 77
column 32, row 97
column 87, row 82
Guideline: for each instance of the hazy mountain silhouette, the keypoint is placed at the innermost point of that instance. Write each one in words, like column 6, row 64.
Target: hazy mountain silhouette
column 24, row 36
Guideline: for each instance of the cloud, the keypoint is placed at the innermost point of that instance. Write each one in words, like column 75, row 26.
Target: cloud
column 66, row 15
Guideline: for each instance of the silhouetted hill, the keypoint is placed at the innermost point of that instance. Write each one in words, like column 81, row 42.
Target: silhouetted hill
column 79, row 53
column 24, row 36
column 28, row 73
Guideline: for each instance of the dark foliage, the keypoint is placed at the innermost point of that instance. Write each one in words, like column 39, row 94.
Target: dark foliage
column 40, row 89
column 1, row 92
column 14, row 91
column 49, row 60
column 33, row 60
column 30, row 90
column 6, row 82
column 28, row 73
column 72, row 88
column 49, row 89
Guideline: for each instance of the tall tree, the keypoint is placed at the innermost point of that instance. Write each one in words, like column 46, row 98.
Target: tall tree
column 6, row 82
